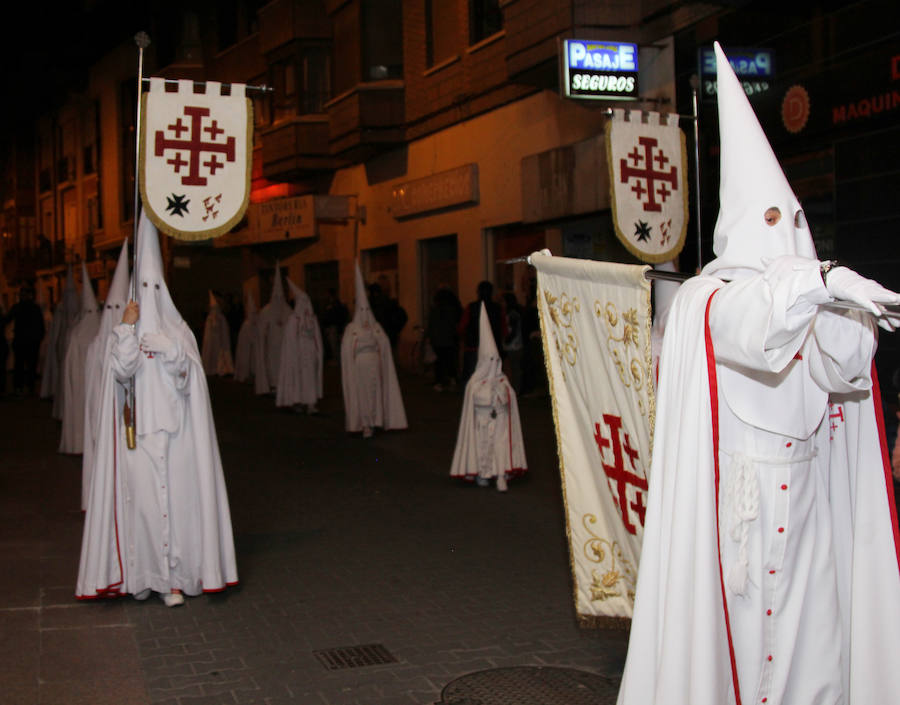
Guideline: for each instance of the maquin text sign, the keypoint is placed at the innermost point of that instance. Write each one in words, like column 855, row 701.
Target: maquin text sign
column 599, row 70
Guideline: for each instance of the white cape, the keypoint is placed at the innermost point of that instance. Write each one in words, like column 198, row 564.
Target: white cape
column 217, row 358
column 97, row 352
column 157, row 515
column 679, row 650
column 74, row 376
column 64, row 319
column 270, row 331
column 390, row 413
column 245, row 351
column 500, row 428
column 202, row 547
column 300, row 370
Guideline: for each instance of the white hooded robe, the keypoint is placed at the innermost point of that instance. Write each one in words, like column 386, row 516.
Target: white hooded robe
column 368, row 377
column 64, row 319
column 157, row 515
column 245, row 351
column 217, row 358
column 97, row 353
column 73, row 377
column 300, row 371
column 489, row 443
column 769, row 570
column 270, row 331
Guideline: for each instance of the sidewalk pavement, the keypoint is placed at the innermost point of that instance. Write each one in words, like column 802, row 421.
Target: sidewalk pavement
column 340, row 542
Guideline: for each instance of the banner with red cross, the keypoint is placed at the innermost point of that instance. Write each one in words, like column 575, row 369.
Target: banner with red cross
column 195, row 158
column 595, row 325
column 648, row 183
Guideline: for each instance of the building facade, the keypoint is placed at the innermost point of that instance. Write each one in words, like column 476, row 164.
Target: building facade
column 439, row 132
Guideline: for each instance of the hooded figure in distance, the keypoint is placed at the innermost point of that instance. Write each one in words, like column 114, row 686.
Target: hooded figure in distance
column 245, row 351
column 270, row 331
column 64, row 319
column 73, row 377
column 769, row 570
column 95, row 359
column 300, row 374
column 217, row 358
column 157, row 516
column 489, row 444
column 368, row 377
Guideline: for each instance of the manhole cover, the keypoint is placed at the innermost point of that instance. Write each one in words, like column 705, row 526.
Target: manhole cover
column 531, row 685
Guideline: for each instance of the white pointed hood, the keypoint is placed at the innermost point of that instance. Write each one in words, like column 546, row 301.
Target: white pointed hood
column 302, row 302
column 69, row 301
column 213, row 301
column 250, row 306
column 751, row 183
column 88, row 298
column 363, row 313
column 157, row 310
column 489, row 363
column 277, row 301
column 117, row 296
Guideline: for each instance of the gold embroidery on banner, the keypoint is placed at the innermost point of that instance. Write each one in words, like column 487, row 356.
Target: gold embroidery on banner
column 616, row 576
column 626, row 349
column 561, row 310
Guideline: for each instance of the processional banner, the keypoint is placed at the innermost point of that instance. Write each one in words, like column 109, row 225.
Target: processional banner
column 195, row 158
column 595, row 324
column 647, row 176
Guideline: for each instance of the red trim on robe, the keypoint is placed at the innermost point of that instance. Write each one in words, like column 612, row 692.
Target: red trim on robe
column 886, row 460
column 714, row 408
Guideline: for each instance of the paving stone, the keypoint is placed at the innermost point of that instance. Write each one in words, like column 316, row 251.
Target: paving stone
column 339, row 543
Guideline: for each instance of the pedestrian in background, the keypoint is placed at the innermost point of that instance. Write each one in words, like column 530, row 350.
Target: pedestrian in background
column 468, row 326
column 28, row 331
column 513, row 346
column 441, row 333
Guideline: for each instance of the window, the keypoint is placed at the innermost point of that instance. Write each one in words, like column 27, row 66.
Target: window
column 382, row 40
column 485, row 19
column 302, row 82
column 440, row 30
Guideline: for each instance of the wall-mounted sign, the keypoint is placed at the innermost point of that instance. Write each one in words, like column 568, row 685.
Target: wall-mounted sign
column 599, row 70
column 755, row 69
column 289, row 218
column 454, row 187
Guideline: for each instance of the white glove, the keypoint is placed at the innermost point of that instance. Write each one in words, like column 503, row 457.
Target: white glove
column 159, row 344
column 845, row 284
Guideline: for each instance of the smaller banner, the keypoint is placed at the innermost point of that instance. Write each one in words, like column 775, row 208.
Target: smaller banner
column 595, row 324
column 195, row 157
column 647, row 177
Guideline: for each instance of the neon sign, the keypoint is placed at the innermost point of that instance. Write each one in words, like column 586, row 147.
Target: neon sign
column 599, row 70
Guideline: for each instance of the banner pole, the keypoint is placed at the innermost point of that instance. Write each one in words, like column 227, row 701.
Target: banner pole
column 695, row 84
column 142, row 40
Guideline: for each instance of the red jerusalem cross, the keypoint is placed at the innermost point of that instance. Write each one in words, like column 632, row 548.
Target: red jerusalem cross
column 195, row 146
column 616, row 473
column 646, row 172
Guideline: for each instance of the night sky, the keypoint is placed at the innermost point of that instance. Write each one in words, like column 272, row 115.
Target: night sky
column 45, row 48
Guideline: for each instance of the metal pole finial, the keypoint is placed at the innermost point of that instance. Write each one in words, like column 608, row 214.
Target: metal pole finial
column 142, row 39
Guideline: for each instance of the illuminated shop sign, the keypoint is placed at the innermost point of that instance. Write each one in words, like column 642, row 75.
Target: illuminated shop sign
column 755, row 69
column 600, row 70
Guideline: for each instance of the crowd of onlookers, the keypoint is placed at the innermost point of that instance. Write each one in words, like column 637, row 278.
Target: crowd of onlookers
column 451, row 332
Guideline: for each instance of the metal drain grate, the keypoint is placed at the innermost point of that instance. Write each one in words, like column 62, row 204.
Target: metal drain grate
column 354, row 656
column 532, row 685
